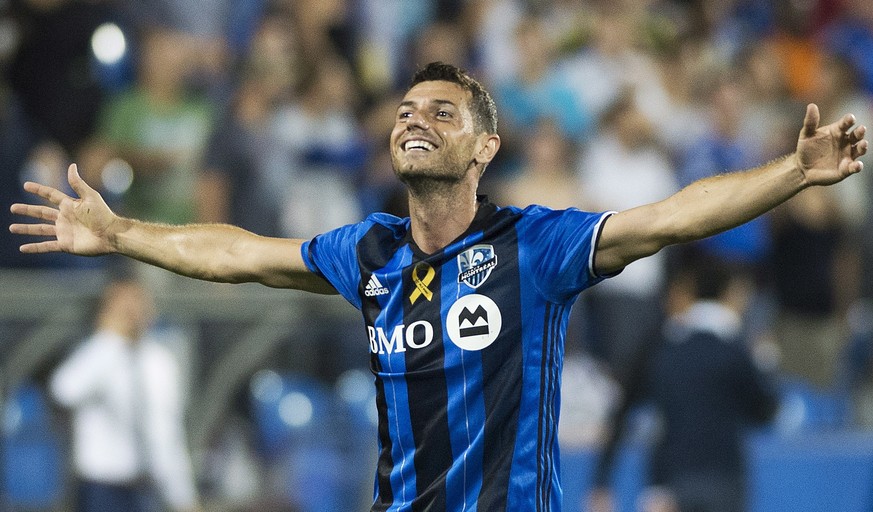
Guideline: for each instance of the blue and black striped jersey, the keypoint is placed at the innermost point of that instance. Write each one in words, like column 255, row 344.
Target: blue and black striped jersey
column 466, row 346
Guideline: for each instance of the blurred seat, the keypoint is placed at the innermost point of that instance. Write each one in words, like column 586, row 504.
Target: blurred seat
column 811, row 472
column 289, row 409
column 806, row 408
column 32, row 453
column 306, row 433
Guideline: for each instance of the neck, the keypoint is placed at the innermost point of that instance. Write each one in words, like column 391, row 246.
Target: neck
column 440, row 212
column 120, row 328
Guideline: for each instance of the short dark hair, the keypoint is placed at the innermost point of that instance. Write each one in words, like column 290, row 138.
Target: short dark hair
column 482, row 105
column 710, row 275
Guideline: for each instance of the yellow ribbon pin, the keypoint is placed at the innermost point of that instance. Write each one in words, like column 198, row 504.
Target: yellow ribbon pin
column 421, row 283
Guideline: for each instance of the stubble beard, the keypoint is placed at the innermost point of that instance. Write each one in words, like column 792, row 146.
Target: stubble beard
column 428, row 181
column 441, row 175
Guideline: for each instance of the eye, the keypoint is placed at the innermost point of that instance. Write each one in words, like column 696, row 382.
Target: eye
column 404, row 115
column 443, row 114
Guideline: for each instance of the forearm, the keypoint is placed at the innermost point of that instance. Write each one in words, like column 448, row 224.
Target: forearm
column 719, row 203
column 200, row 251
column 215, row 252
column 702, row 209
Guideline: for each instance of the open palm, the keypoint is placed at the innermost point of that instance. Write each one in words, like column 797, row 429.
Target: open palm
column 74, row 225
column 830, row 153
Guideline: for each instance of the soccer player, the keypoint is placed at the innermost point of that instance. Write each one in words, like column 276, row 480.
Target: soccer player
column 465, row 303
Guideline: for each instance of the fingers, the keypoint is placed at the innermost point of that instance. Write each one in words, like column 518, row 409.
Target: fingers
column 33, row 229
column 51, row 194
column 76, row 182
column 41, row 247
column 852, row 166
column 857, row 134
column 35, row 211
column 54, row 195
column 810, row 120
column 37, row 230
column 859, row 150
column 846, row 122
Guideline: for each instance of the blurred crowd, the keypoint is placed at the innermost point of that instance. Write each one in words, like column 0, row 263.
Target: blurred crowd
column 274, row 115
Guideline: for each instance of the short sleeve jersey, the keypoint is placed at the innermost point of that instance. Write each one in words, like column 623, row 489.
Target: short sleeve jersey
column 466, row 346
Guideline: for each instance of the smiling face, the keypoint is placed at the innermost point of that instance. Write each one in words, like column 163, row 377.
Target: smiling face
column 434, row 138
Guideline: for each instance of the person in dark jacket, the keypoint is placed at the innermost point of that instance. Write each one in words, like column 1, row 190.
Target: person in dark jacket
column 700, row 376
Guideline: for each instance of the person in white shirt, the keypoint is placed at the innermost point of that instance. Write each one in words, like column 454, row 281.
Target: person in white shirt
column 124, row 391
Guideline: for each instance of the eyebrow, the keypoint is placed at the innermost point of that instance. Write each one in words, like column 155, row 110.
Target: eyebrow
column 410, row 103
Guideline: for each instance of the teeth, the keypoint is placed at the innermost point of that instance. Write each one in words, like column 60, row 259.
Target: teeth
column 420, row 144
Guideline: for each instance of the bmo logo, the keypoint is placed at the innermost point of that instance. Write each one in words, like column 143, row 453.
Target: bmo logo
column 473, row 322
column 415, row 335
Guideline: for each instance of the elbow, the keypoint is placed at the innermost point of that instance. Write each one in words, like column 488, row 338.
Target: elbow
column 674, row 227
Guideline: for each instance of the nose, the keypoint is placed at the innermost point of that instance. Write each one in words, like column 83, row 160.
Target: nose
column 417, row 119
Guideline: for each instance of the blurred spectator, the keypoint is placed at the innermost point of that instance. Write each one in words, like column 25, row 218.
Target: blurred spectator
column 851, row 35
column 768, row 105
column 160, row 130
column 327, row 27
column 726, row 148
column 440, row 41
column 546, row 174
column 623, row 167
column 321, row 152
column 17, row 139
column 53, row 71
column 27, row 153
column 381, row 191
column 815, row 279
column 707, row 390
column 540, row 88
column 494, row 38
column 218, row 32
column 685, row 68
column 386, row 28
column 124, row 390
column 800, row 53
column 837, row 90
column 234, row 188
column 49, row 96
column 728, row 27
column 616, row 61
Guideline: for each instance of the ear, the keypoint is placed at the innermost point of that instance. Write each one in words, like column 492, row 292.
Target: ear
column 487, row 147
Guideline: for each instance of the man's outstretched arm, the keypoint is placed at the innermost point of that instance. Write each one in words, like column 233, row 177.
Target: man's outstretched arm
column 825, row 155
column 214, row 252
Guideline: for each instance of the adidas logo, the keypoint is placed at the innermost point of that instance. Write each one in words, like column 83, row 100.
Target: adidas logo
column 374, row 287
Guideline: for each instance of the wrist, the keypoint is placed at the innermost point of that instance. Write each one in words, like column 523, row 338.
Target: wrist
column 796, row 171
column 116, row 232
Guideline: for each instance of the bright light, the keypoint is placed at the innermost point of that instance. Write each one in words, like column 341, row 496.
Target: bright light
column 117, row 176
column 296, row 409
column 108, row 43
column 267, row 386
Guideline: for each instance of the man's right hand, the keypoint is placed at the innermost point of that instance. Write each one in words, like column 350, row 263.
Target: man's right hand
column 212, row 252
column 83, row 226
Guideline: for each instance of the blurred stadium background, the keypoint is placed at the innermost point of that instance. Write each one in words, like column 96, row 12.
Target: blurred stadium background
column 274, row 115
